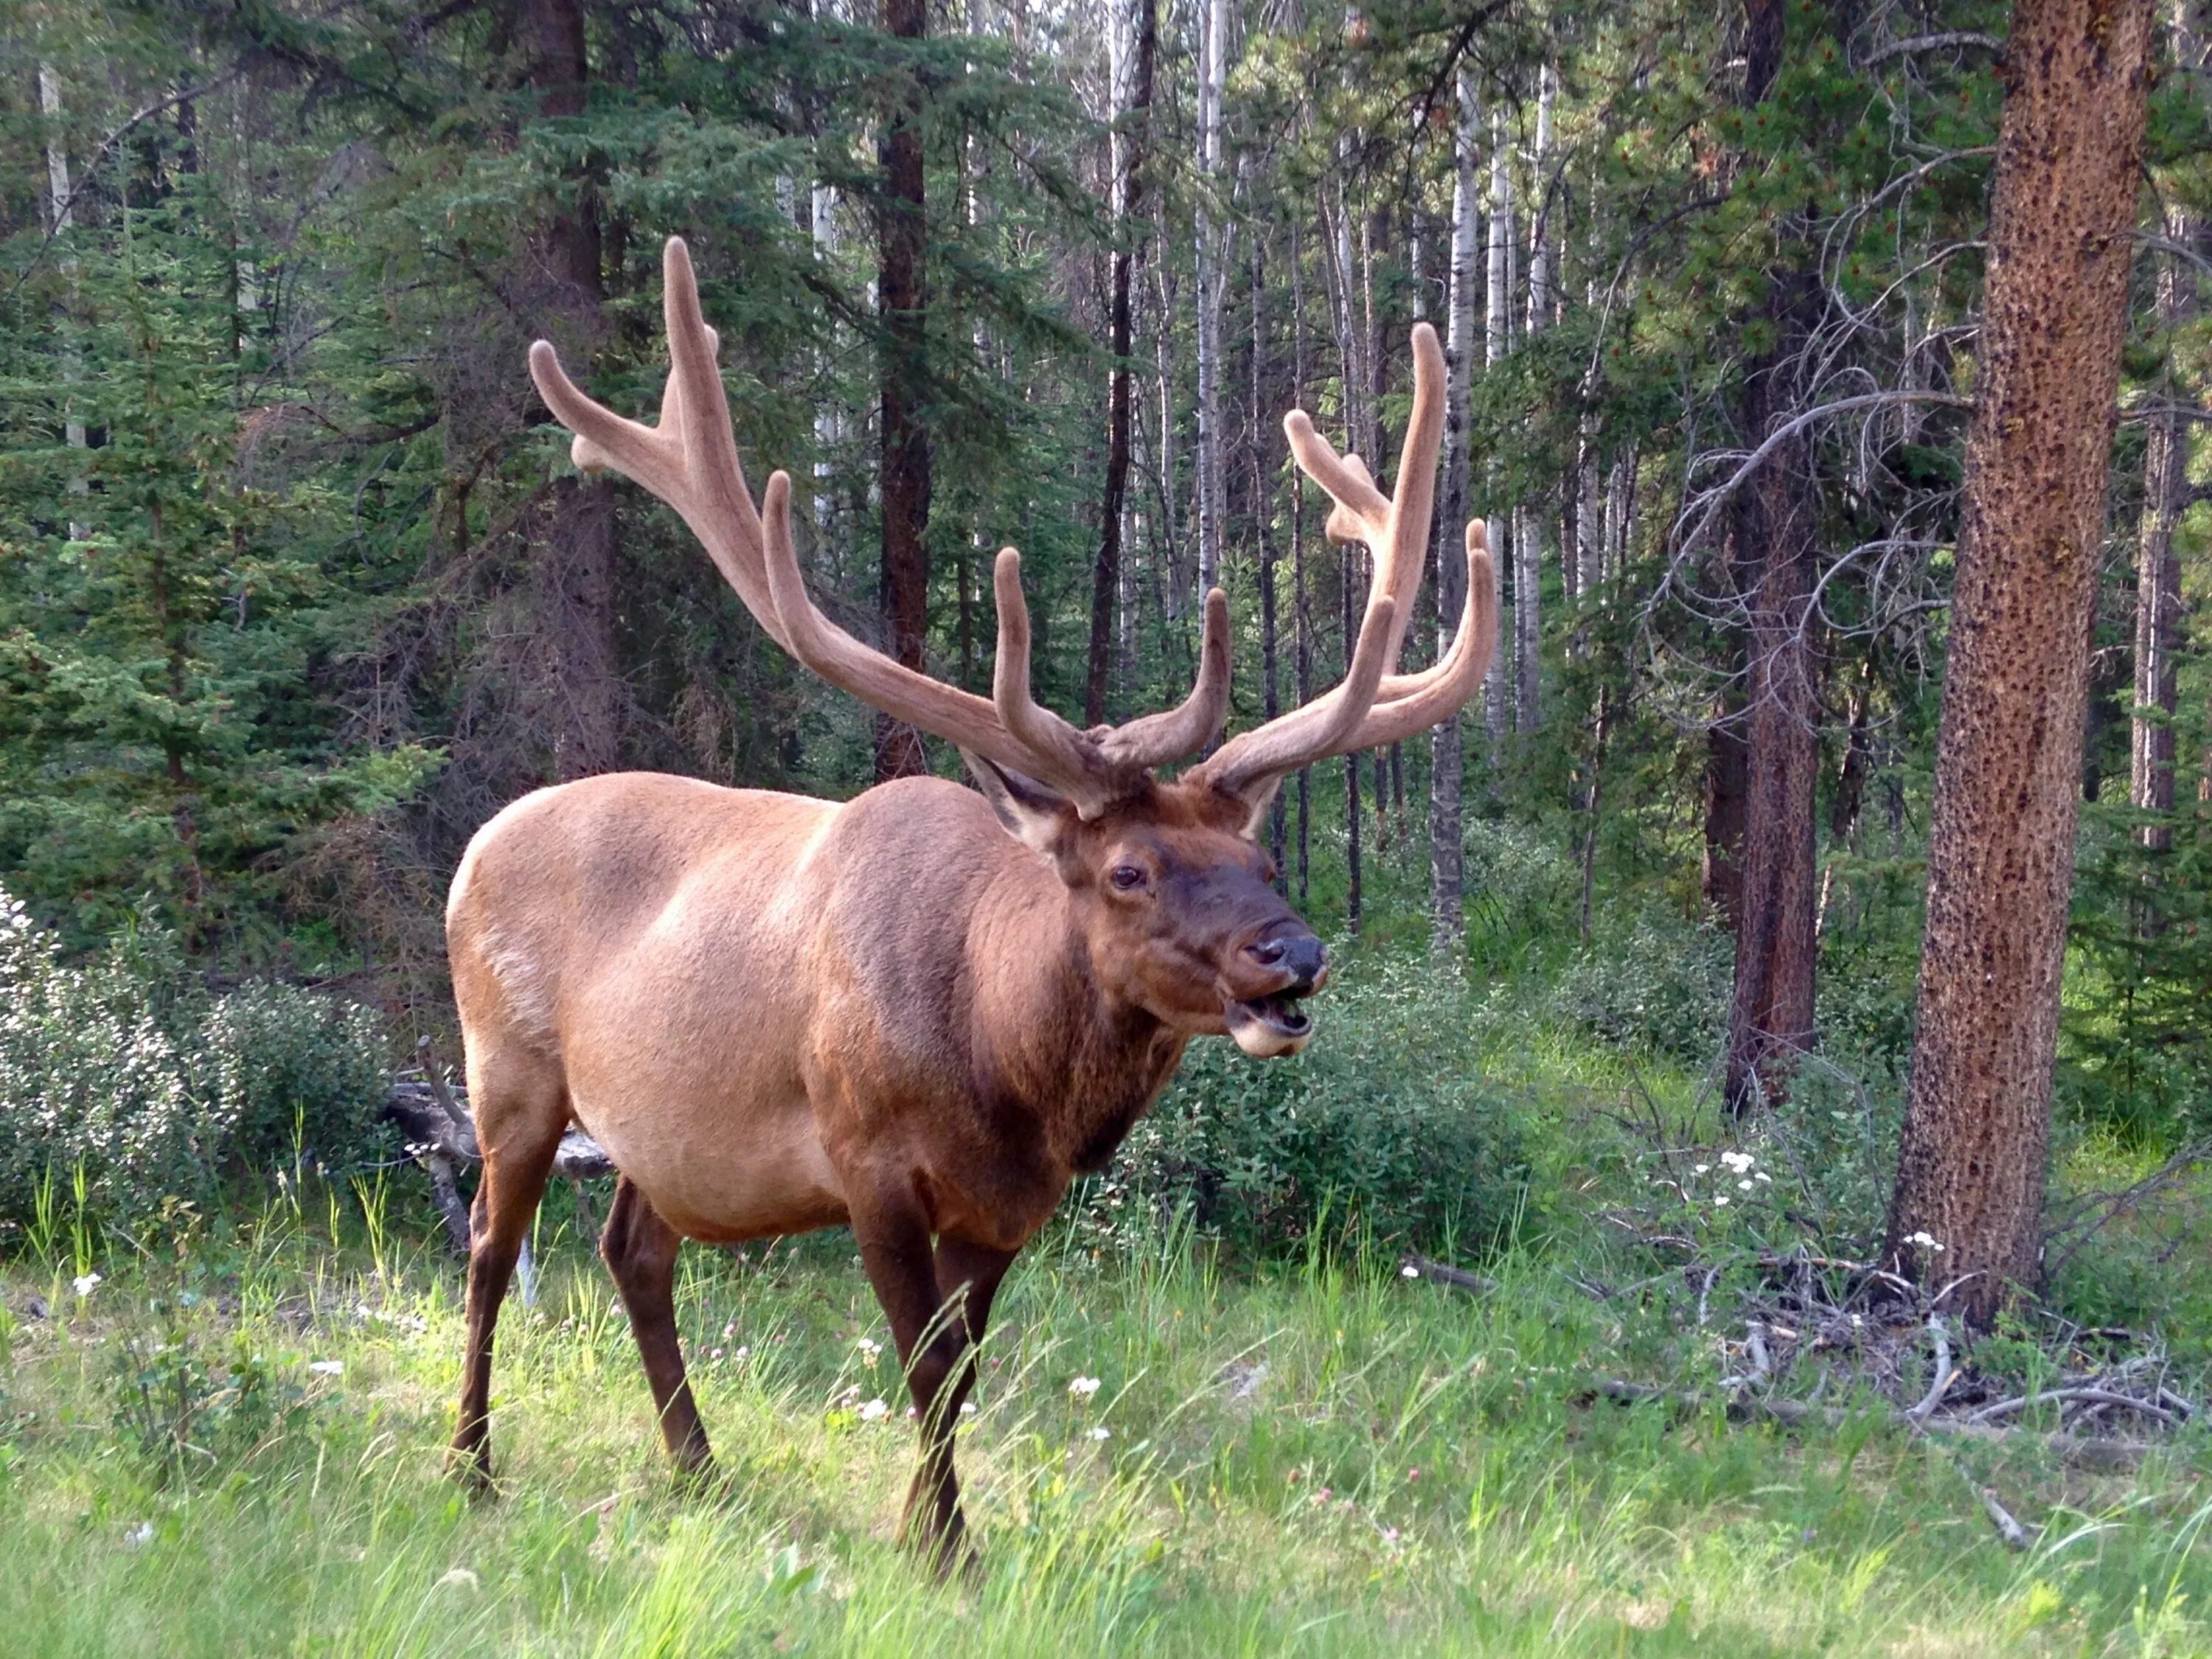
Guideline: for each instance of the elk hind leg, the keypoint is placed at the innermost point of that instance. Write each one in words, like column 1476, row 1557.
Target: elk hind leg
column 520, row 1107
column 640, row 1250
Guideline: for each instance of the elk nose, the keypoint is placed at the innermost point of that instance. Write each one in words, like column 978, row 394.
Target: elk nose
column 1300, row 954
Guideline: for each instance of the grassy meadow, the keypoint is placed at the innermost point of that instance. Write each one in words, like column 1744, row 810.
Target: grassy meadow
column 233, row 1445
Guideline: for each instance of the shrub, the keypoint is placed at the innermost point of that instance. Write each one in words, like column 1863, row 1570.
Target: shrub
column 122, row 1069
column 1662, row 986
column 1518, row 882
column 1382, row 1126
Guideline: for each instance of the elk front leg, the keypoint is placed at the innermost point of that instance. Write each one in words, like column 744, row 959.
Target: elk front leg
column 640, row 1250
column 935, row 1345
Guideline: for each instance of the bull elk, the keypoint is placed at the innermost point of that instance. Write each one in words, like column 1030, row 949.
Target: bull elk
column 919, row 1013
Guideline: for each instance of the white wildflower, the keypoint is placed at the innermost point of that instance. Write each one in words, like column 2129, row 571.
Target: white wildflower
column 1083, row 1387
column 874, row 1411
column 1722, row 1202
column 1702, row 1168
column 85, row 1282
column 869, row 1348
column 327, row 1367
column 1743, row 1186
column 742, row 1353
column 1409, row 1271
column 141, row 1534
column 1739, row 1162
column 967, row 1409
column 1925, row 1241
column 1763, row 1175
column 1101, row 1432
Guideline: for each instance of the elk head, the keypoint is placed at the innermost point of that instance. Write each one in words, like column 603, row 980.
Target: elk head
column 1169, row 887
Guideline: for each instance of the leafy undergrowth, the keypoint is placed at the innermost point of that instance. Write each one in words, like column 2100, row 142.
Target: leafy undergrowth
column 239, row 1451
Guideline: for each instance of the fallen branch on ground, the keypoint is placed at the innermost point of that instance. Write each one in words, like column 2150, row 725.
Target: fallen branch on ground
column 1438, row 1272
column 2094, row 1452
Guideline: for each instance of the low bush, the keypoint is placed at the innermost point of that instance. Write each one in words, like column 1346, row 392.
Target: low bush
column 1382, row 1127
column 122, row 1077
column 1660, row 985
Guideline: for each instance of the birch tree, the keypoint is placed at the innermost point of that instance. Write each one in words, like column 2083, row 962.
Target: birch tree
column 1446, row 904
column 1498, row 688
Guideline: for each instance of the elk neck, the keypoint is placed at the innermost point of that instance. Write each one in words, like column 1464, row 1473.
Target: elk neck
column 1051, row 1040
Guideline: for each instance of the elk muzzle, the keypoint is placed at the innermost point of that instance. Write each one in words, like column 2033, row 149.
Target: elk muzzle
column 1271, row 1025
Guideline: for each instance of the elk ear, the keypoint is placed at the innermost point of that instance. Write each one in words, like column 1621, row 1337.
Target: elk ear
column 1249, row 804
column 1037, row 816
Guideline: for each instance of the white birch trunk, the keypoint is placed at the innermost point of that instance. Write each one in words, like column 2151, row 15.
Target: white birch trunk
column 1528, row 537
column 1447, row 794
column 60, row 214
column 1497, row 689
column 1213, row 52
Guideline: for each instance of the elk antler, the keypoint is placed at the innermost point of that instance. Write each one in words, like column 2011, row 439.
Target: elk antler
column 1370, row 710
column 691, row 461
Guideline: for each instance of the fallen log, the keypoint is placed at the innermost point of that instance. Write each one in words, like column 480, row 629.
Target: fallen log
column 441, row 1137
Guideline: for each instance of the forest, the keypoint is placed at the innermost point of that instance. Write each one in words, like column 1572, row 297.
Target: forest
column 1748, row 1187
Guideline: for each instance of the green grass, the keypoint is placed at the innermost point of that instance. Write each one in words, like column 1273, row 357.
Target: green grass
column 1316, row 1457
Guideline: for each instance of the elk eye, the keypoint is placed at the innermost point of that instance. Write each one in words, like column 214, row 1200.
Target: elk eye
column 1128, row 878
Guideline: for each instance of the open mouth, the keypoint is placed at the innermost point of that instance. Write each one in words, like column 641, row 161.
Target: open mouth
column 1267, row 1026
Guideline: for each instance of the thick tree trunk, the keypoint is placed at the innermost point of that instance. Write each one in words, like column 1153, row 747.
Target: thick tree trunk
column 1728, row 781
column 579, row 545
column 1777, row 513
column 901, row 300
column 1970, row 1167
column 1770, row 1018
column 2158, row 633
column 1134, row 30
column 1447, row 869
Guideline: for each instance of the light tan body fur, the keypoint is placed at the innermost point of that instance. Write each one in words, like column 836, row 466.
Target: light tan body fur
column 728, row 998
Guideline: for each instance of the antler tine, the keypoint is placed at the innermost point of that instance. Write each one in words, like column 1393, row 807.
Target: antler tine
column 1396, row 529
column 1072, row 761
column 1405, row 547
column 1155, row 740
column 690, row 458
column 1286, row 745
column 603, row 439
column 1410, row 703
column 960, row 717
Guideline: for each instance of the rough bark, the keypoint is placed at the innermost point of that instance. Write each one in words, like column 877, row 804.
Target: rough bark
column 1728, row 780
column 1728, row 752
column 577, row 531
column 1971, row 1166
column 901, row 299
column 1447, row 869
column 1770, row 1016
column 1135, row 30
